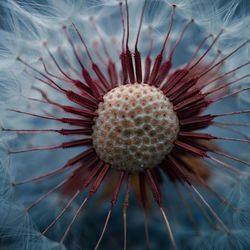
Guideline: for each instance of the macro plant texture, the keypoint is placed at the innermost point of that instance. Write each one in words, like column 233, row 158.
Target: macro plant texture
column 124, row 124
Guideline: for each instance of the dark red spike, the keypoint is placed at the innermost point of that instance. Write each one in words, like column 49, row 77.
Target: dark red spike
column 163, row 72
column 182, row 176
column 83, row 175
column 75, row 131
column 129, row 65
column 174, row 174
column 94, row 66
column 157, row 175
column 196, row 135
column 69, row 109
column 101, row 77
column 76, row 143
column 184, row 165
column 78, row 122
column 85, row 90
column 196, row 123
column 91, row 84
column 148, row 59
column 195, row 149
column 92, row 174
column 181, row 88
column 194, row 91
column 181, row 84
column 194, row 110
column 189, row 101
column 117, row 188
column 124, row 68
column 81, row 112
column 179, row 39
column 155, row 70
column 176, row 77
column 79, row 175
column 138, row 69
column 85, row 73
column 99, row 86
column 112, row 72
column 99, row 179
column 190, row 148
column 82, row 100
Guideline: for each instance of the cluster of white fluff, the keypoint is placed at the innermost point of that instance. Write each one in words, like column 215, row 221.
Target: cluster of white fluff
column 25, row 26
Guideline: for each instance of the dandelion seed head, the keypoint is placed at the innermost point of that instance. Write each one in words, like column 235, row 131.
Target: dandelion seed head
column 135, row 128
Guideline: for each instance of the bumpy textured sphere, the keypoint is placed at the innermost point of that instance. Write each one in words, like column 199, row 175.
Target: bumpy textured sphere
column 135, row 128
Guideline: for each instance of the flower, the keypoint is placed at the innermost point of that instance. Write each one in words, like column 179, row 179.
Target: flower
column 146, row 120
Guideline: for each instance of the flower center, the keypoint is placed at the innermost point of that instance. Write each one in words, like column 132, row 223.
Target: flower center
column 135, row 128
